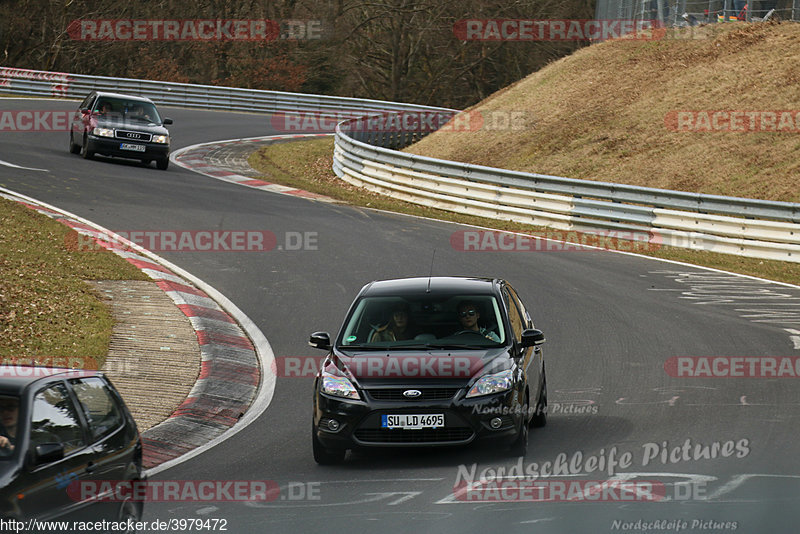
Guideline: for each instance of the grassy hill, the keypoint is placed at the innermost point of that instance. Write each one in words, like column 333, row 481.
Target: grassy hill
column 607, row 112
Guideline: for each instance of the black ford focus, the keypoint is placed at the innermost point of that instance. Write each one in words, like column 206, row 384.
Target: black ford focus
column 429, row 362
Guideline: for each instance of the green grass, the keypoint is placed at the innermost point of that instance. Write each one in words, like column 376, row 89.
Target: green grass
column 307, row 165
column 47, row 310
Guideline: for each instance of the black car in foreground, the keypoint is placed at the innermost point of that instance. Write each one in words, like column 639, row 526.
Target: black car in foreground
column 63, row 434
column 429, row 362
column 126, row 126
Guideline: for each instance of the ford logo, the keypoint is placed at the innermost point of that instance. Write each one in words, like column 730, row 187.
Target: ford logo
column 412, row 393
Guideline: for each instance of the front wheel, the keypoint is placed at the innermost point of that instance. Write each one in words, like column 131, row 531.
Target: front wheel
column 539, row 418
column 519, row 447
column 73, row 148
column 85, row 152
column 323, row 455
column 162, row 163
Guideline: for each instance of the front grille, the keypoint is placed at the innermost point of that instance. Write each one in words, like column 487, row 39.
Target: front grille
column 428, row 394
column 133, row 136
column 426, row 435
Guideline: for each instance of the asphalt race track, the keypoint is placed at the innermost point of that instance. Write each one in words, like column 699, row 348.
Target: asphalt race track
column 612, row 321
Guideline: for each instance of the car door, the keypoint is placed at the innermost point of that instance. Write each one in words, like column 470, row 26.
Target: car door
column 55, row 419
column 111, row 438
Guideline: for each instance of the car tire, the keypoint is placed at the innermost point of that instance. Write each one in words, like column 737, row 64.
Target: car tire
column 519, row 447
column 73, row 148
column 147, row 162
column 85, row 152
column 162, row 164
column 539, row 418
column 130, row 510
column 324, row 455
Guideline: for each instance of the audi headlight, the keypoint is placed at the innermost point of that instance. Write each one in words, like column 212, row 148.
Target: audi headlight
column 103, row 132
column 161, row 139
column 494, row 383
column 338, row 386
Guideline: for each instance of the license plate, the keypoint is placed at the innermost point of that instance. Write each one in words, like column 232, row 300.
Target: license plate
column 413, row 421
column 132, row 146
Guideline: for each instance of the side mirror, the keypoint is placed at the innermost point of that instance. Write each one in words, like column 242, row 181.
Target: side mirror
column 320, row 340
column 532, row 338
column 47, row 452
column 84, row 111
column 167, row 121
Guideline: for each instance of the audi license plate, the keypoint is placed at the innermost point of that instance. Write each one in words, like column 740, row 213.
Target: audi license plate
column 413, row 421
column 132, row 146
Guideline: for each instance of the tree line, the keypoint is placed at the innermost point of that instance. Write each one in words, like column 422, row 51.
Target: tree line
column 400, row 50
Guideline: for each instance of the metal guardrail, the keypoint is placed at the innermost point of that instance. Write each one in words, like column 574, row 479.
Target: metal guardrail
column 64, row 85
column 749, row 227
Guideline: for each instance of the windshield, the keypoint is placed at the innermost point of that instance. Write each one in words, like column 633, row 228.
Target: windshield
column 127, row 110
column 458, row 321
column 9, row 419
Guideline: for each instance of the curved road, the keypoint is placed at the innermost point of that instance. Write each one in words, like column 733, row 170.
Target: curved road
column 611, row 320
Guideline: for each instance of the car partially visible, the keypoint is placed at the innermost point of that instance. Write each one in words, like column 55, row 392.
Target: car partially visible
column 72, row 428
column 126, row 126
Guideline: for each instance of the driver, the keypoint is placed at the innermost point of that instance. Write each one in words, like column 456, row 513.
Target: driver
column 468, row 316
column 9, row 411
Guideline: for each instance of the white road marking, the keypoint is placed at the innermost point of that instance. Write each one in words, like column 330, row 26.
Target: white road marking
column 7, row 164
column 795, row 338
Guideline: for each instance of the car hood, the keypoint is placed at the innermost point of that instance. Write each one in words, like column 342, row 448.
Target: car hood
column 458, row 366
column 139, row 126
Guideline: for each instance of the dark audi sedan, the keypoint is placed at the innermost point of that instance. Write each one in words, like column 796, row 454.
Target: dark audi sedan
column 429, row 362
column 63, row 434
column 118, row 125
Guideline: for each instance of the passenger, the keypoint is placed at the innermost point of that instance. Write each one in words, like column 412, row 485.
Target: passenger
column 9, row 412
column 468, row 316
column 398, row 328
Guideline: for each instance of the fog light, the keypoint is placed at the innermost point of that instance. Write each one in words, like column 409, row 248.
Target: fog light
column 333, row 425
column 495, row 423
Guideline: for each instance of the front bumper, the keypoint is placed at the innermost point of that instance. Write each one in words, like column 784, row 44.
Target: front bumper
column 108, row 146
column 466, row 420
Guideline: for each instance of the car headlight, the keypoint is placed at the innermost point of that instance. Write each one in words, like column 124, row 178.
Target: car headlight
column 103, row 132
column 493, row 383
column 338, row 386
column 161, row 139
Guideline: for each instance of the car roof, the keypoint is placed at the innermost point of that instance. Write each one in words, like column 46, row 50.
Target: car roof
column 15, row 379
column 120, row 95
column 432, row 285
